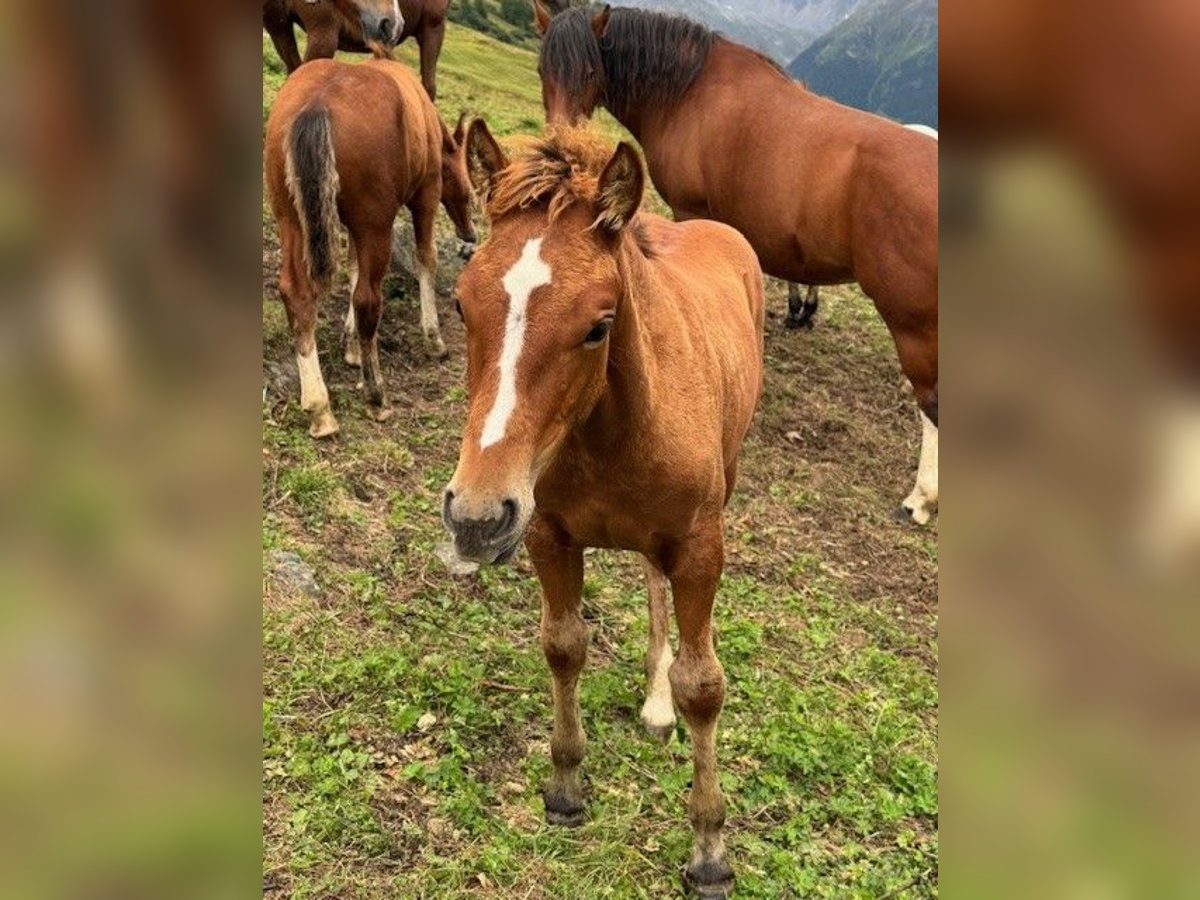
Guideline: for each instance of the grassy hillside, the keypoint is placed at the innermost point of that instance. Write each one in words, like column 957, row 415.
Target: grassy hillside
column 406, row 713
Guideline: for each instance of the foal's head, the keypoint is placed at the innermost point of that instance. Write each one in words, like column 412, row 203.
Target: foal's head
column 538, row 300
column 380, row 20
column 456, row 183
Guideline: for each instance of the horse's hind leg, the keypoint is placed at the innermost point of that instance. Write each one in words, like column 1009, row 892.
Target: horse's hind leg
column 430, row 41
column 801, row 309
column 374, row 253
column 424, row 211
column 564, row 637
column 299, row 298
column 923, row 498
column 658, row 712
column 353, row 355
column 698, row 685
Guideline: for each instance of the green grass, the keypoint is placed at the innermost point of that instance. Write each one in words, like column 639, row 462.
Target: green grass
column 406, row 714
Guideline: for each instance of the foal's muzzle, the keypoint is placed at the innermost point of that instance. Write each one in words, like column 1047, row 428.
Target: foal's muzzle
column 492, row 538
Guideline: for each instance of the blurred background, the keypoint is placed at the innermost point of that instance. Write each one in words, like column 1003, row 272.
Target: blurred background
column 130, row 374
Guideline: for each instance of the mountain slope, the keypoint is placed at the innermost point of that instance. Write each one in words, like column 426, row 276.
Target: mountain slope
column 882, row 58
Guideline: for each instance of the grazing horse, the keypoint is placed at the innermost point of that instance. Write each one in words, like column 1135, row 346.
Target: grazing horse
column 802, row 309
column 614, row 361
column 329, row 156
column 854, row 200
column 354, row 25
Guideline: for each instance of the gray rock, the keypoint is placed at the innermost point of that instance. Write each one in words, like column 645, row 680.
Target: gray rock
column 294, row 574
column 404, row 257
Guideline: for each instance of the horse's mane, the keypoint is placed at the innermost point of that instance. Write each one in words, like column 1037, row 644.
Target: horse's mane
column 558, row 169
column 646, row 57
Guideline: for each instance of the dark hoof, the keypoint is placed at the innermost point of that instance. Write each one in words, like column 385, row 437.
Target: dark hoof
column 563, row 810
column 661, row 733
column 711, row 879
column 795, row 323
column 903, row 514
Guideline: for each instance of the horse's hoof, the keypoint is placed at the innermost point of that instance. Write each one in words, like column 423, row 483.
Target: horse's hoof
column 563, row 810
column 323, row 425
column 911, row 515
column 711, row 879
column 793, row 324
column 381, row 413
column 661, row 733
column 353, row 359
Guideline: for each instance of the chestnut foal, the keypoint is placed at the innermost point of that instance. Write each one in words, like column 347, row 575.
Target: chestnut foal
column 357, row 142
column 614, row 361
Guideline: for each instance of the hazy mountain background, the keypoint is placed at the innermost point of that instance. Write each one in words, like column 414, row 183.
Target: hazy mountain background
column 878, row 55
column 883, row 57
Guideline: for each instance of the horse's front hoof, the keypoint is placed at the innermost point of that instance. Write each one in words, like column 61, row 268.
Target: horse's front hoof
column 710, row 879
column 563, row 810
column 381, row 413
column 912, row 515
column 661, row 733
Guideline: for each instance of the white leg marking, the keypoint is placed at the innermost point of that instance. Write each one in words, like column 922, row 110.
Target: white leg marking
column 659, row 709
column 924, row 496
column 1170, row 535
column 528, row 272
column 353, row 353
column 313, row 394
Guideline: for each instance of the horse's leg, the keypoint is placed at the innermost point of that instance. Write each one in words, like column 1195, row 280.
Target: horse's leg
column 353, row 356
column 658, row 712
column 278, row 24
column 424, row 211
column 299, row 298
column 374, row 254
column 430, row 41
column 564, row 635
column 918, row 358
column 801, row 310
column 698, row 685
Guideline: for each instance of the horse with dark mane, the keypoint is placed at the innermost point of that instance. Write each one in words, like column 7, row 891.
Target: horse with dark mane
column 358, row 26
column 825, row 194
column 614, row 361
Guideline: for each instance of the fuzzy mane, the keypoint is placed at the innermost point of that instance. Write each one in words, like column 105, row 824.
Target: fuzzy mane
column 557, row 170
column 645, row 57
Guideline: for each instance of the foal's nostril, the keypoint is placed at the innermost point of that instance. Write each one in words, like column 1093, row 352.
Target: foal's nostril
column 385, row 29
column 509, row 518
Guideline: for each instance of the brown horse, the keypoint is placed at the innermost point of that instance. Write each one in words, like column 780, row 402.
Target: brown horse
column 614, row 361
column 329, row 156
column 354, row 25
column 853, row 199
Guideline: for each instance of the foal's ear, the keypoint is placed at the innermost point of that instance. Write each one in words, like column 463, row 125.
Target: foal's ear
column 621, row 187
column 541, row 18
column 484, row 158
column 460, row 130
column 600, row 21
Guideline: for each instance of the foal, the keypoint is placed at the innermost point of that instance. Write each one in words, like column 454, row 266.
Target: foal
column 355, row 143
column 614, row 361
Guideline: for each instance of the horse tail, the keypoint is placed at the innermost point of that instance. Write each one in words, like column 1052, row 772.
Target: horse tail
column 312, row 180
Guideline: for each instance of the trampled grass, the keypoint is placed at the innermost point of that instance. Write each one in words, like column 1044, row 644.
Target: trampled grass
column 406, row 713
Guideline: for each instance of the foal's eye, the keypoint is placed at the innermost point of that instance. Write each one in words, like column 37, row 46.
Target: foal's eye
column 598, row 333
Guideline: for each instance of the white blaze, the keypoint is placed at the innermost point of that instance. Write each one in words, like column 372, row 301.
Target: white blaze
column 528, row 272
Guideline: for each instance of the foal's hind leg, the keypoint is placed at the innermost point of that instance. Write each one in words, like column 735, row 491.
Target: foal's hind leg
column 424, row 211
column 299, row 298
column 658, row 712
column 801, row 310
column 353, row 355
column 374, row 253
column 559, row 568
column 698, row 685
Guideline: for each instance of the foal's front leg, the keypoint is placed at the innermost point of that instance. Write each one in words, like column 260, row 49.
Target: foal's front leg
column 559, row 568
column 658, row 712
column 698, row 685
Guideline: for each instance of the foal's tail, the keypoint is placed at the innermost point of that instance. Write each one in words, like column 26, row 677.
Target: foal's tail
column 312, row 180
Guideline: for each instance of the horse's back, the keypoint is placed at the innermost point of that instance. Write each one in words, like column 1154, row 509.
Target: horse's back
column 385, row 134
